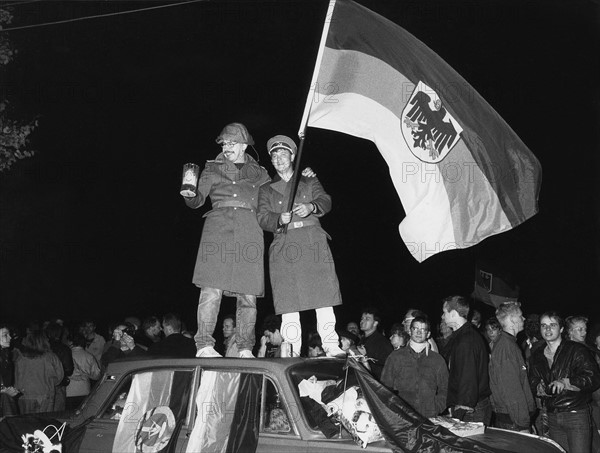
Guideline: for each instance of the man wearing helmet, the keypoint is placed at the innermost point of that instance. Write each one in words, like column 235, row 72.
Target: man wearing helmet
column 230, row 255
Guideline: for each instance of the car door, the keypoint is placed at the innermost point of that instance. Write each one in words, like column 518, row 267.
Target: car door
column 147, row 411
column 279, row 420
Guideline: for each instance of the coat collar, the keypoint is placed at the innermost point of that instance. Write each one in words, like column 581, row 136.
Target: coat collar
column 281, row 186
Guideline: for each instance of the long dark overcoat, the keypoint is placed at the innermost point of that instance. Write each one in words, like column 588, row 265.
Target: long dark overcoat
column 230, row 255
column 300, row 262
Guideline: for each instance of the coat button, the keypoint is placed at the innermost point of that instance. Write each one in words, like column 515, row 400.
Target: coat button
column 233, row 182
column 235, row 194
column 280, row 202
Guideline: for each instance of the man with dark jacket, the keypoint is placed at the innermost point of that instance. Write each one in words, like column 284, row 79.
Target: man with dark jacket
column 564, row 375
column 54, row 333
column 374, row 345
column 467, row 357
column 174, row 344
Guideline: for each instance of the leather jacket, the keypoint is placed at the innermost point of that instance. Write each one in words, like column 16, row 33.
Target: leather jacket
column 572, row 360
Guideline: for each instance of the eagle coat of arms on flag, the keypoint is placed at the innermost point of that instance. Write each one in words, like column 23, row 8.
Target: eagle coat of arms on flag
column 428, row 128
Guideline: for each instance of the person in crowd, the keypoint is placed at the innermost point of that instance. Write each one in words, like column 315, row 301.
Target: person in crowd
column 230, row 255
column 122, row 345
column 374, row 345
column 63, row 352
column 467, row 357
column 229, row 343
column 353, row 327
column 576, row 328
column 174, row 344
column 564, row 374
column 398, row 336
column 8, row 404
column 271, row 340
column 532, row 335
column 417, row 373
column 411, row 314
column 493, row 330
column 315, row 345
column 94, row 341
column 512, row 399
column 443, row 335
column 38, row 371
column 306, row 280
column 86, row 369
column 152, row 332
column 349, row 344
column 476, row 318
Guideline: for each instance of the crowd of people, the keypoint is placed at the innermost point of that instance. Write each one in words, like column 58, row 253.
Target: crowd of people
column 532, row 374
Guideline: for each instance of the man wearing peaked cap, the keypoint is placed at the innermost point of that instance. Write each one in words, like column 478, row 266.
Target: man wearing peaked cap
column 230, row 256
column 300, row 264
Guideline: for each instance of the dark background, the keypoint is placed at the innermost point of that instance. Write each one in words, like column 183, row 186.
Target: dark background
column 94, row 226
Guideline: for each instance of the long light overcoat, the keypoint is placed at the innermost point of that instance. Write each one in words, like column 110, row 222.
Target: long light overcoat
column 301, row 266
column 230, row 255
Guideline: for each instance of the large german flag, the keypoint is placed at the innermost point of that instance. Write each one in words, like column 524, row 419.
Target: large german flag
column 461, row 172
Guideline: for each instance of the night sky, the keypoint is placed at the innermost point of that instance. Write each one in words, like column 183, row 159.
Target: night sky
column 94, row 226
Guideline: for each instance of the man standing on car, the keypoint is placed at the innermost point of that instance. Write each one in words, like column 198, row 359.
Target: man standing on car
column 564, row 375
column 230, row 256
column 300, row 263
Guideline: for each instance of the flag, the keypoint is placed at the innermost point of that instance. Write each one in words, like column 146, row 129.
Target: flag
column 494, row 285
column 462, row 174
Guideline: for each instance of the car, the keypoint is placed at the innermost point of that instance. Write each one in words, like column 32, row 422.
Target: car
column 213, row 404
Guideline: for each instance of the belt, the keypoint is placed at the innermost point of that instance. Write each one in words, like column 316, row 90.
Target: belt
column 232, row 204
column 301, row 224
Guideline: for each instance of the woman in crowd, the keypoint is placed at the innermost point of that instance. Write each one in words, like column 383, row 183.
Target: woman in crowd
column 86, row 369
column 398, row 336
column 8, row 404
column 37, row 373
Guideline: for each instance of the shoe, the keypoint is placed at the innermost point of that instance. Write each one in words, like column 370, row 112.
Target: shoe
column 245, row 354
column 334, row 351
column 207, row 351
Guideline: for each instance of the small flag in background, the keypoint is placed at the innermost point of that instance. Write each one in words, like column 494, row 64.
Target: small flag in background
column 494, row 285
column 462, row 174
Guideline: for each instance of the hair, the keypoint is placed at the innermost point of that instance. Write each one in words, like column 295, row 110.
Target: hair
column 54, row 331
column 373, row 312
column 397, row 328
column 493, row 323
column 149, row 322
column 554, row 314
column 532, row 326
column 506, row 310
column 230, row 316
column 79, row 340
column 271, row 323
column 314, row 341
column 423, row 320
column 571, row 320
column 458, row 303
column 172, row 320
column 35, row 344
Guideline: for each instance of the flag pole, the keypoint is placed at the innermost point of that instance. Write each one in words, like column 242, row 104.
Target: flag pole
column 305, row 115
column 314, row 81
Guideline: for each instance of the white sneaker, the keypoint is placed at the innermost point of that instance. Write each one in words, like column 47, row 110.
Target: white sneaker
column 207, row 351
column 334, row 351
column 245, row 354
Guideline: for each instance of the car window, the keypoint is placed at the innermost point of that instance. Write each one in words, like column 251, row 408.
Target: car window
column 275, row 415
column 149, row 406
